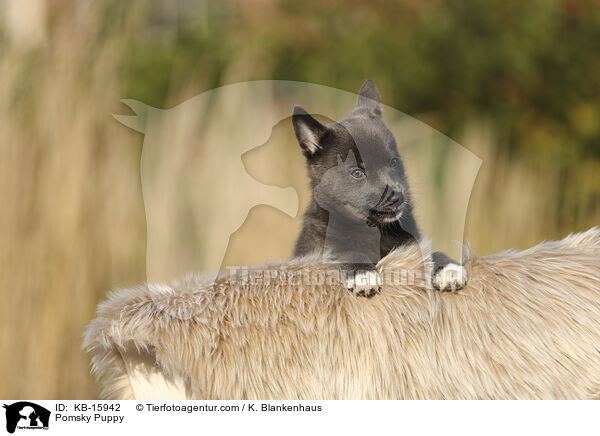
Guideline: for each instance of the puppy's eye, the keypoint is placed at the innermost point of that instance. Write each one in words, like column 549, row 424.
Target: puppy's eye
column 394, row 162
column 357, row 173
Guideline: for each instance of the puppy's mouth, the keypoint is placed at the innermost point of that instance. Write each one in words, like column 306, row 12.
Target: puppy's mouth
column 385, row 215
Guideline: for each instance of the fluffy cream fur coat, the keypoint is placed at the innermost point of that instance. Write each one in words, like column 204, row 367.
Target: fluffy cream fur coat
column 526, row 327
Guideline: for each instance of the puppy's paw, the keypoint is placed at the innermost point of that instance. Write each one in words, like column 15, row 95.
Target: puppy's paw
column 451, row 277
column 364, row 283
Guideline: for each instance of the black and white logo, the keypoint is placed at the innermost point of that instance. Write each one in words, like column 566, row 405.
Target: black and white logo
column 26, row 415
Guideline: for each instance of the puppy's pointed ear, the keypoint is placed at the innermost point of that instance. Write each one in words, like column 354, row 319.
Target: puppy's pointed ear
column 369, row 99
column 309, row 131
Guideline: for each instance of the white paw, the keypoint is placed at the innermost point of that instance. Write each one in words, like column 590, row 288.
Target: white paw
column 452, row 277
column 364, row 283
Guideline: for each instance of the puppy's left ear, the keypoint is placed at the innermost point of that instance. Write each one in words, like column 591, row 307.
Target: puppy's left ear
column 369, row 99
column 309, row 132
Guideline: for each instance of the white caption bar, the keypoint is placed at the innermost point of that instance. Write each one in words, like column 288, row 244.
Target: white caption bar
column 263, row 418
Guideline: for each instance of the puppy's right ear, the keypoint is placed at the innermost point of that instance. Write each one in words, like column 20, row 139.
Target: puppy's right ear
column 309, row 132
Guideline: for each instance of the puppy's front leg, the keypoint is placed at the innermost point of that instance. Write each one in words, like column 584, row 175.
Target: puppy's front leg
column 447, row 274
column 362, row 280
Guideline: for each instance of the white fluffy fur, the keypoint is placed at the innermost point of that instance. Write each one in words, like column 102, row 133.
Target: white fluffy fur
column 526, row 326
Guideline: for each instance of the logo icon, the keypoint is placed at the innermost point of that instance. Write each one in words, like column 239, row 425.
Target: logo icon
column 26, row 415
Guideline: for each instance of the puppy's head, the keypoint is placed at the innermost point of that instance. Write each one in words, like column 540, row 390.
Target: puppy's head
column 354, row 164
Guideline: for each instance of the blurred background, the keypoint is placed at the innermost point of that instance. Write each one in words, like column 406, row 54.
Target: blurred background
column 517, row 83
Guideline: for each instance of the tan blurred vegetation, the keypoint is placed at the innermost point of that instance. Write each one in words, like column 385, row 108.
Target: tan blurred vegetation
column 516, row 84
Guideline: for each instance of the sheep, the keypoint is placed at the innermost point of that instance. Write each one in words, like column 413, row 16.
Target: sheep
column 527, row 326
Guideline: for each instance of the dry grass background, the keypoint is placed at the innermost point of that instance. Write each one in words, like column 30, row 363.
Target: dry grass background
column 72, row 218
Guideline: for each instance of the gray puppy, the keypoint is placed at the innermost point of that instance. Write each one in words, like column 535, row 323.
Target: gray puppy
column 361, row 206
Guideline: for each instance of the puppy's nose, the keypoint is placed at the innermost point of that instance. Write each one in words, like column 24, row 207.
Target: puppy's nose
column 395, row 198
